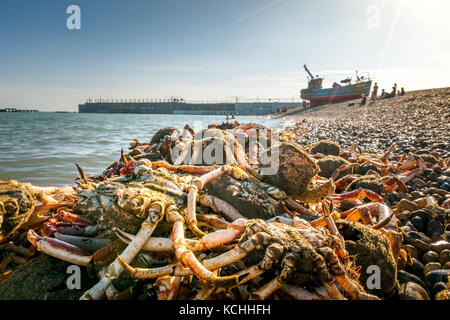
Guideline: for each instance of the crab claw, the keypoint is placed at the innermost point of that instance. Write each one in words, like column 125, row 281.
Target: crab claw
column 59, row 249
column 83, row 178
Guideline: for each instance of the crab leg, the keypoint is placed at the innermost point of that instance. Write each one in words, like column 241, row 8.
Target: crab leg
column 205, row 292
column 197, row 184
column 85, row 243
column 82, row 177
column 70, row 217
column 220, row 206
column 338, row 272
column 271, row 256
column 294, row 205
column 391, row 149
column 276, row 283
column 155, row 244
column 357, row 194
column 187, row 257
column 213, row 221
column 156, row 212
column 59, row 249
column 209, row 241
column 183, row 168
column 343, row 168
column 235, row 254
column 167, row 287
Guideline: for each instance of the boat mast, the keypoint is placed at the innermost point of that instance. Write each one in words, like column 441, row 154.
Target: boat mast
column 306, row 68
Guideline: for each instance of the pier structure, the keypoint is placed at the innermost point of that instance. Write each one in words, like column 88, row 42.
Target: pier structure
column 180, row 106
column 17, row 110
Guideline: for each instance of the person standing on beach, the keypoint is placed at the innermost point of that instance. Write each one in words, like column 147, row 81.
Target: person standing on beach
column 395, row 89
column 375, row 91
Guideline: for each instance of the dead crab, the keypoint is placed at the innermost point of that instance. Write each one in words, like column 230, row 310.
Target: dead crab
column 17, row 203
column 138, row 203
column 22, row 205
column 294, row 253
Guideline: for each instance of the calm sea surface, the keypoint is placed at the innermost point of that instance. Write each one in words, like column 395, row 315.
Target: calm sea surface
column 42, row 148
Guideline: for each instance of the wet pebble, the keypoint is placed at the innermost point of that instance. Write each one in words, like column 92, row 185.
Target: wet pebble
column 430, row 256
column 438, row 246
column 419, row 223
column 421, row 245
column 417, row 194
column 435, row 276
column 404, row 215
column 406, row 204
column 413, row 235
column 404, row 277
column 438, row 287
column 412, row 291
column 445, row 186
column 418, row 182
column 433, row 227
column 431, row 266
column 416, row 268
column 412, row 251
column 444, row 256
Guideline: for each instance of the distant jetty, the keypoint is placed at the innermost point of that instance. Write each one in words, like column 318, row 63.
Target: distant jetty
column 179, row 106
column 17, row 110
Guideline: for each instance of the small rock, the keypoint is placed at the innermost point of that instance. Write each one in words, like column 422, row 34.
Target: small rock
column 404, row 215
column 434, row 184
column 405, row 204
column 446, row 266
column 431, row 266
column 435, row 276
column 419, row 213
column 412, row 291
column 418, row 223
column 404, row 277
column 413, row 235
column 444, row 256
column 433, row 227
column 416, row 268
column 412, row 251
column 418, row 182
column 417, row 194
column 432, row 176
column 430, row 256
column 438, row 287
column 421, row 245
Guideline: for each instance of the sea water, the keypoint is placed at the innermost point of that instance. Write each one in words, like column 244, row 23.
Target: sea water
column 42, row 148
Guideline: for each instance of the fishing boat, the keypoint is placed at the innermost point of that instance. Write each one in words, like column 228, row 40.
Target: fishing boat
column 317, row 95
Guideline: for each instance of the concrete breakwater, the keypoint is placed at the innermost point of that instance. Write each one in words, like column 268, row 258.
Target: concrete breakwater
column 173, row 107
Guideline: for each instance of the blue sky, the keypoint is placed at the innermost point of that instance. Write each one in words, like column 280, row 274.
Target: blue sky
column 214, row 50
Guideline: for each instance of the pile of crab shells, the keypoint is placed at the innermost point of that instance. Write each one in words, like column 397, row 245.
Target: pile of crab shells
column 420, row 203
column 312, row 229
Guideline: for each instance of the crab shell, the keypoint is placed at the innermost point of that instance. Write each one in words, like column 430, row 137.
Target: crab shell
column 370, row 248
column 123, row 202
column 253, row 199
column 17, row 203
column 296, row 169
